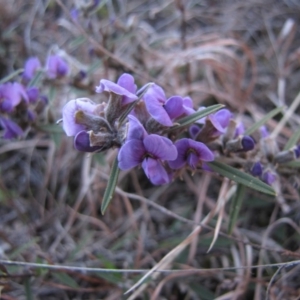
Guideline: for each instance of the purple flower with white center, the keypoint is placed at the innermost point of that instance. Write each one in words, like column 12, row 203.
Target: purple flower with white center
column 190, row 153
column 11, row 94
column 177, row 106
column 155, row 100
column 124, row 87
column 70, row 109
column 32, row 64
column 56, row 67
column 147, row 150
column 11, row 129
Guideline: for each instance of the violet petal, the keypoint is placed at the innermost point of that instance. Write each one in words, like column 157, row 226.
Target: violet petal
column 56, row 66
column 33, row 94
column 204, row 153
column 126, row 81
column 247, row 143
column 109, row 86
column 192, row 160
column 182, row 147
column 155, row 171
column 69, row 111
column 32, row 64
column 160, row 147
column 256, row 169
column 194, row 130
column 174, row 107
column 136, row 130
column 131, row 154
column 11, row 129
column 82, row 142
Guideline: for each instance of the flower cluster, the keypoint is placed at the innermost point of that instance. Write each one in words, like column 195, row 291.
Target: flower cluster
column 270, row 158
column 143, row 124
column 21, row 102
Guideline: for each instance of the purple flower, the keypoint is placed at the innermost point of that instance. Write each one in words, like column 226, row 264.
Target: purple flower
column 297, row 151
column 11, row 94
column 215, row 125
column 32, row 64
column 194, row 130
column 11, row 129
column 177, row 106
column 82, row 142
column 256, row 169
column 124, row 87
column 220, row 120
column 247, row 143
column 268, row 177
column 70, row 126
column 74, row 14
column 56, row 67
column 33, row 94
column 264, row 131
column 155, row 100
column 147, row 150
column 240, row 129
column 190, row 153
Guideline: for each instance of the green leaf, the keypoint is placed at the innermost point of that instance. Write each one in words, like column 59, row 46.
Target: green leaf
column 52, row 94
column 241, row 177
column 11, row 75
column 28, row 289
column 52, row 128
column 111, row 185
column 95, row 66
column 264, row 120
column 292, row 141
column 66, row 280
column 196, row 116
column 36, row 79
column 235, row 207
column 292, row 164
column 23, row 248
column 74, row 44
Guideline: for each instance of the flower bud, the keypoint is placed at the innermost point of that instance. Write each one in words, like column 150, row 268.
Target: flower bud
column 256, row 169
column 242, row 143
column 269, row 148
column 286, row 156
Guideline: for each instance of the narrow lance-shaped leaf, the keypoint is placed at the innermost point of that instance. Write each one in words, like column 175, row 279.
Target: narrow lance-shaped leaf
column 196, row 116
column 11, row 75
column 111, row 186
column 264, row 120
column 292, row 141
column 241, row 177
column 235, row 206
column 36, row 79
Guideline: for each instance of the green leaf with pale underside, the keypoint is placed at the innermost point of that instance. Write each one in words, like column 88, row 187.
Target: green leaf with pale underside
column 241, row 177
